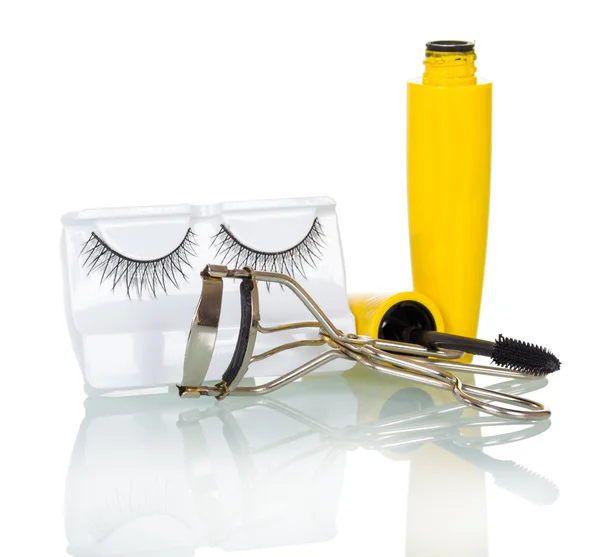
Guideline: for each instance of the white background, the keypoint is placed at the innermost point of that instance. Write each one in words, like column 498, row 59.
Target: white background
column 134, row 103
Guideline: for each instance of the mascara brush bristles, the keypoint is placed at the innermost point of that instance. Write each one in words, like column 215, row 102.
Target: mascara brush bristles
column 524, row 357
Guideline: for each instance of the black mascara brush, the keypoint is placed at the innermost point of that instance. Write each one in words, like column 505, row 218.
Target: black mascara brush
column 410, row 324
column 505, row 352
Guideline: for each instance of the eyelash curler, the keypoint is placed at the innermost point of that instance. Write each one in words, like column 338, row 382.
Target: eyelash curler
column 400, row 359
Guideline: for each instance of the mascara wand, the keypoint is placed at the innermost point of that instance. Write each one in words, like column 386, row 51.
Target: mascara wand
column 517, row 355
column 505, row 352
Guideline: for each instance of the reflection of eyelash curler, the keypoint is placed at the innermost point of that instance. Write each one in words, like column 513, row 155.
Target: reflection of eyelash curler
column 138, row 275
column 440, row 424
column 306, row 252
column 388, row 357
column 445, row 425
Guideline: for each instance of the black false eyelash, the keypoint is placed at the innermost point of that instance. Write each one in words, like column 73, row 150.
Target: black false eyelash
column 138, row 275
column 289, row 261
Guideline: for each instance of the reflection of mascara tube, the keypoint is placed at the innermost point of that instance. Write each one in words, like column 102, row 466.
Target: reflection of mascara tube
column 448, row 163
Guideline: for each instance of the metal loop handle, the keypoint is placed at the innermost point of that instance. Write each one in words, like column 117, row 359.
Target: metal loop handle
column 427, row 366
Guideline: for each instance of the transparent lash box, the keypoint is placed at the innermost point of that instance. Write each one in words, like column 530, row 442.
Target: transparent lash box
column 131, row 284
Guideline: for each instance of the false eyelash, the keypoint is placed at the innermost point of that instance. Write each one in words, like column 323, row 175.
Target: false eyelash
column 138, row 275
column 289, row 261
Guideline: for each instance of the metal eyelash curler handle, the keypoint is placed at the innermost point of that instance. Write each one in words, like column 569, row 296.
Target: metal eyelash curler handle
column 409, row 361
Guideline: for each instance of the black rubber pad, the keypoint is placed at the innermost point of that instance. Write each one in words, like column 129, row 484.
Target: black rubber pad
column 233, row 368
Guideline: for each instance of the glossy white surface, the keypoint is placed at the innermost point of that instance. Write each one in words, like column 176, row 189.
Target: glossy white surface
column 157, row 474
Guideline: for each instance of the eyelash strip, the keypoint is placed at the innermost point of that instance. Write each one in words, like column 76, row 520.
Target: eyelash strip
column 138, row 275
column 289, row 261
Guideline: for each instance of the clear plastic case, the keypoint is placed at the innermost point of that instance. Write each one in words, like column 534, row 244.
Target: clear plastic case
column 129, row 330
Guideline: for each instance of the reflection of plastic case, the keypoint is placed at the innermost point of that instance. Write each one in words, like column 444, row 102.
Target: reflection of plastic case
column 156, row 475
column 139, row 342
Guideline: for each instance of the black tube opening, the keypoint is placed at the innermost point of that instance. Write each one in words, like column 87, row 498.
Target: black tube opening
column 450, row 46
column 405, row 316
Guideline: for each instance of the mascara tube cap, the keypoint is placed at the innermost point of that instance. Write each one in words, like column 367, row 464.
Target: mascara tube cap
column 386, row 316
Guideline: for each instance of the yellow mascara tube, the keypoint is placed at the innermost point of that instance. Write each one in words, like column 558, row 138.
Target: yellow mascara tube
column 449, row 129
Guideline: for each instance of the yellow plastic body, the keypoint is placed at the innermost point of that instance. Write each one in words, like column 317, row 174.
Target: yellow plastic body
column 449, row 128
column 369, row 310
